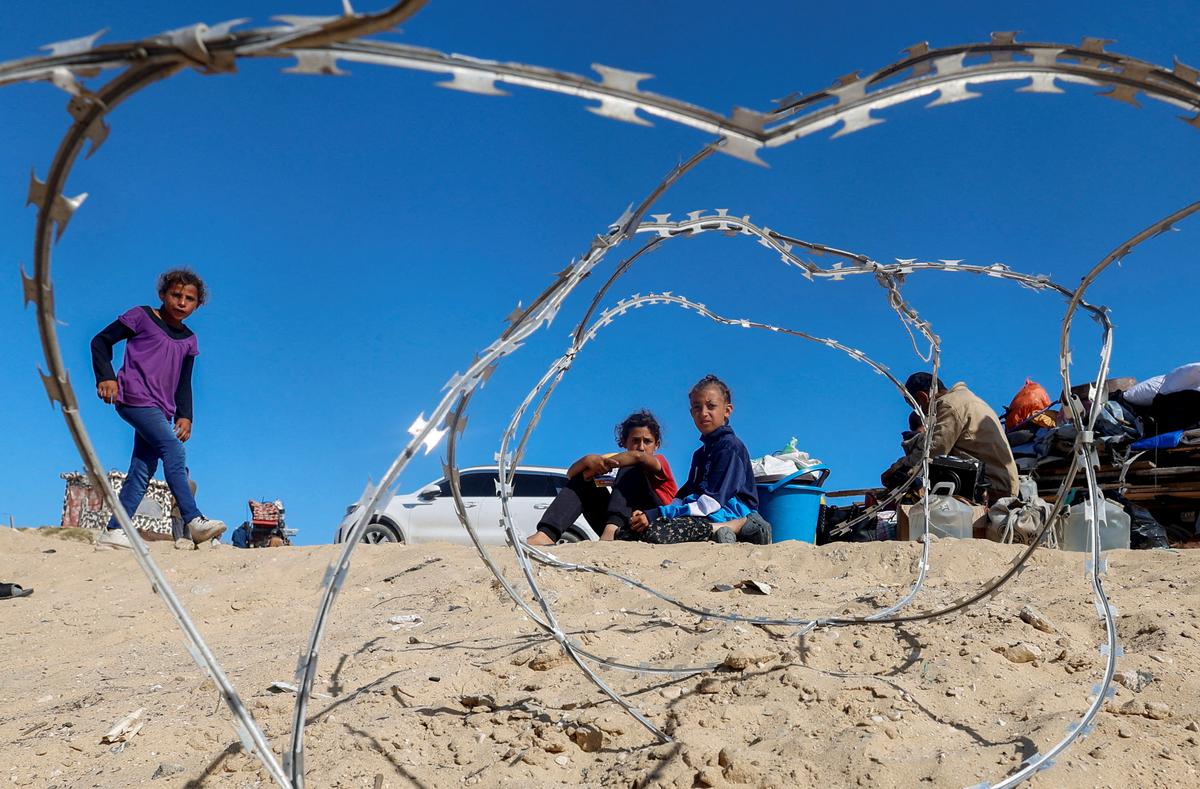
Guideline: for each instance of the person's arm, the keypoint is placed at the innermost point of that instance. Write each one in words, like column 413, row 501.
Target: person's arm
column 899, row 470
column 947, row 428
column 183, row 400
column 630, row 458
column 102, row 353
column 589, row 466
column 701, row 497
column 896, row 473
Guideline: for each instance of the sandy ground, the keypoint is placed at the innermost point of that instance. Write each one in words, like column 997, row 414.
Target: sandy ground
column 474, row 695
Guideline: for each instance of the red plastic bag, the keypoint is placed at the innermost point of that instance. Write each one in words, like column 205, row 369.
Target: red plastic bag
column 1027, row 402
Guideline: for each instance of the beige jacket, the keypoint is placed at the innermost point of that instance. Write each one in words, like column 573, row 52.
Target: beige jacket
column 965, row 425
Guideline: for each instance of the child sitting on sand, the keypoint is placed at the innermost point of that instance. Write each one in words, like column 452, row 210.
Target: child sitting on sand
column 719, row 500
column 644, row 480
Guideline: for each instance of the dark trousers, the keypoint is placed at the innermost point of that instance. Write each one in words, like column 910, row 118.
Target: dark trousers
column 599, row 505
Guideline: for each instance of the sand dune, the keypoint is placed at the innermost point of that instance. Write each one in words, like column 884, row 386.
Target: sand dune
column 474, row 695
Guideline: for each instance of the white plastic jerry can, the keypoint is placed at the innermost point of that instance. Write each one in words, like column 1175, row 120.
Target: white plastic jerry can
column 1114, row 533
column 948, row 517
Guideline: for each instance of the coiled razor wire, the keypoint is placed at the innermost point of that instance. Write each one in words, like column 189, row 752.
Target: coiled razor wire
column 559, row 367
column 319, row 44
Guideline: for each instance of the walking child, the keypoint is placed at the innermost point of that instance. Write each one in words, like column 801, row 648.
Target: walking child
column 719, row 501
column 644, row 480
column 153, row 389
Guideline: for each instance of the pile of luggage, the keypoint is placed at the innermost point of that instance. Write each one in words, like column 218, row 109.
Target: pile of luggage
column 1148, row 442
column 266, row 527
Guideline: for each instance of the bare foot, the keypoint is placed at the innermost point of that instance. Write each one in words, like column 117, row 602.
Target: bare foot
column 539, row 538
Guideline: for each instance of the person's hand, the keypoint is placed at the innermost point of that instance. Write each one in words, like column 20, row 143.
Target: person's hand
column 107, row 391
column 638, row 521
column 610, row 464
column 594, row 466
column 183, row 429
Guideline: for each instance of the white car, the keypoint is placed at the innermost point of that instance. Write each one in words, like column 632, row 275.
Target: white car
column 429, row 515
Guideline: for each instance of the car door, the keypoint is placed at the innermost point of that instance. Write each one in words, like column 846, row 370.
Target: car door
column 532, row 494
column 480, row 491
column 436, row 518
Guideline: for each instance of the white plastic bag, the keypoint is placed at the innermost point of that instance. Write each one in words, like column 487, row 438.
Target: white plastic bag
column 780, row 464
column 771, row 466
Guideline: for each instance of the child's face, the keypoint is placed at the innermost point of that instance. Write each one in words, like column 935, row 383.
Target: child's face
column 180, row 301
column 640, row 439
column 709, row 409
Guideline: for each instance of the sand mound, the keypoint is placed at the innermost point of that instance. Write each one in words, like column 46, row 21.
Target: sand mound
column 473, row 694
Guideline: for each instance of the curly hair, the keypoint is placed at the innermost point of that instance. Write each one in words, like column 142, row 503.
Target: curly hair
column 182, row 276
column 713, row 381
column 641, row 418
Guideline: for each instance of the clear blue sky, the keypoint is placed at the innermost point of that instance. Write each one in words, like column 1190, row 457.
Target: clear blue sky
column 364, row 236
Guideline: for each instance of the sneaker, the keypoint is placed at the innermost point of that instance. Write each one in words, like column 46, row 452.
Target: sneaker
column 203, row 529
column 111, row 539
column 184, row 544
column 725, row 536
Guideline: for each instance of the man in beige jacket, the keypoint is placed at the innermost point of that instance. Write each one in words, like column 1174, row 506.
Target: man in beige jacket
column 966, row 426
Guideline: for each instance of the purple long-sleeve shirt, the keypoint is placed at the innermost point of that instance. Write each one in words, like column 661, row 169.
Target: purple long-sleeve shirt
column 158, row 361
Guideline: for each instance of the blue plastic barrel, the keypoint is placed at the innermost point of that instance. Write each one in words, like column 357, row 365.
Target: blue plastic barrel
column 791, row 508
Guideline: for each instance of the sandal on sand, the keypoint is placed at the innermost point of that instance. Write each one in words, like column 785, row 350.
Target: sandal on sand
column 10, row 591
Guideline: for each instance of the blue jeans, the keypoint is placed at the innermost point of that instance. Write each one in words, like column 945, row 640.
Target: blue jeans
column 154, row 438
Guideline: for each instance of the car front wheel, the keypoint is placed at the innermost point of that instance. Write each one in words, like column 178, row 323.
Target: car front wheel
column 376, row 533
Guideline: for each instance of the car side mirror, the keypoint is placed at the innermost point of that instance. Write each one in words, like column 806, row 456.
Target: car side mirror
column 429, row 492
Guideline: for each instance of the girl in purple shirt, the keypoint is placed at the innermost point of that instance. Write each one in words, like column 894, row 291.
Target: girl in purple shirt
column 153, row 388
